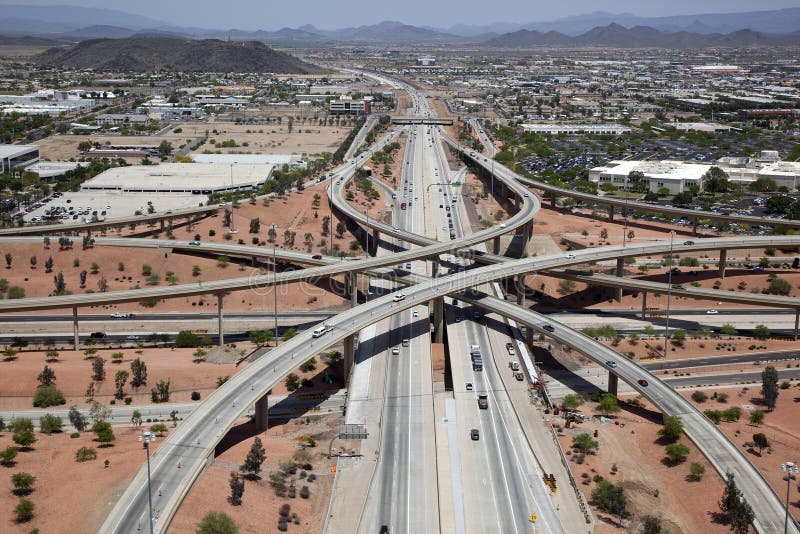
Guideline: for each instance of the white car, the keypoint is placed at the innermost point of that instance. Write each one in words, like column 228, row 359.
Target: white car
column 395, row 350
column 502, row 225
column 712, row 312
column 569, row 255
column 119, row 315
column 399, row 297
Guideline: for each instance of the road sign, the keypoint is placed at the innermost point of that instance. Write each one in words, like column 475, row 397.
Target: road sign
column 352, row 432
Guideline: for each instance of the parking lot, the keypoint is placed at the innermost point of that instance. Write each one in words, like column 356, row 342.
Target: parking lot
column 85, row 206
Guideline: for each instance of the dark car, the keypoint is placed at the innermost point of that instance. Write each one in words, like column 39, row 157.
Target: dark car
column 549, row 328
column 688, row 242
column 475, row 434
column 316, row 257
column 643, row 382
column 97, row 335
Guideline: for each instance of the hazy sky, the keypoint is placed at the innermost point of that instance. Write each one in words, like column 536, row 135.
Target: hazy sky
column 330, row 14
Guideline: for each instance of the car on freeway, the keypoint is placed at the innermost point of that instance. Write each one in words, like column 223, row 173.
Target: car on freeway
column 758, row 269
column 642, row 382
column 688, row 242
column 415, row 313
column 405, row 342
column 399, row 297
column 526, row 195
column 519, row 376
column 510, row 349
column 468, row 386
column 548, row 327
column 316, row 257
column 611, row 363
column 132, row 338
column 194, row 243
column 475, row 434
column 395, row 350
column 569, row 255
column 502, row 225
column 458, row 318
column 97, row 335
column 712, row 312
column 119, row 315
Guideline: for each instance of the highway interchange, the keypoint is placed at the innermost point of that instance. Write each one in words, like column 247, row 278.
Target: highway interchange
column 514, row 489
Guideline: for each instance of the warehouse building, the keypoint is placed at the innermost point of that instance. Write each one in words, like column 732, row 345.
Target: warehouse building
column 193, row 178
column 575, row 129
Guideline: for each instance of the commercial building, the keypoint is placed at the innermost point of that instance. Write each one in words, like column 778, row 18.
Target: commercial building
column 12, row 156
column 348, row 106
column 47, row 170
column 121, row 119
column 574, row 129
column 193, row 178
column 250, row 159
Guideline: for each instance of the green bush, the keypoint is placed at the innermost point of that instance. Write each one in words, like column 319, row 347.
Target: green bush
column 48, row 396
column 84, row 454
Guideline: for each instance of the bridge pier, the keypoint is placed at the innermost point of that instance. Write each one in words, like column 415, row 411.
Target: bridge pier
column 620, row 273
column 353, row 289
column 349, row 356
column 521, row 290
column 219, row 321
column 694, row 227
column 438, row 320
column 161, row 221
column 435, row 267
column 496, row 245
column 644, row 304
column 262, row 413
column 613, row 383
column 376, row 235
column 529, row 336
column 77, row 338
column 723, row 260
column 796, row 322
column 611, row 213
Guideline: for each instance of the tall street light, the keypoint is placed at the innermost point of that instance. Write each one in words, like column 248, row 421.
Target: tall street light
column 147, row 438
column 790, row 469
column 625, row 215
column 275, row 279
column 669, row 294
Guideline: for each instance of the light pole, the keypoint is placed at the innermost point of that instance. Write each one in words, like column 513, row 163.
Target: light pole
column 625, row 215
column 669, row 294
column 275, row 280
column 147, row 438
column 790, row 469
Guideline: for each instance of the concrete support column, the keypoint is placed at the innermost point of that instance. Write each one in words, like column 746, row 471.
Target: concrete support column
column 435, row 267
column 517, row 202
column 613, row 383
column 219, row 320
column 349, row 356
column 521, row 290
column 694, row 227
column 496, row 245
column 611, row 213
column 620, row 272
column 796, row 323
column 76, row 337
column 262, row 413
column 529, row 336
column 353, row 289
column 162, row 224
column 253, row 261
column 373, row 242
column 723, row 260
column 644, row 304
column 527, row 231
column 438, row 320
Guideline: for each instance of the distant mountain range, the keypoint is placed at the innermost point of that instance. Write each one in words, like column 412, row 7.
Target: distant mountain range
column 71, row 24
column 616, row 36
column 174, row 54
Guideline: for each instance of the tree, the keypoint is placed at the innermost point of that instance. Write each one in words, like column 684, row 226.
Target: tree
column 715, row 180
column 731, row 496
column 217, row 523
column 46, row 240
column 743, row 518
column 326, row 225
column 23, row 483
column 272, row 234
column 7, row 456
column 610, row 497
column 697, row 470
column 566, row 286
column 83, row 274
column 136, row 418
column 158, row 428
column 160, row 393
column 261, row 337
column 572, row 401
column 677, row 452
column 77, row 419
column 34, row 261
column 89, row 392
column 340, row 229
column 584, row 442
column 98, row 412
column 23, row 432
column 59, row 284
column 761, row 331
column 769, row 386
column 256, row 457
column 237, row 489
column 49, row 423
column 308, row 365
column 608, row 404
column 187, row 338
column 165, row 148
column 756, row 417
column 120, row 379
column 98, row 369
column 46, row 377
column 48, row 396
column 760, row 440
column 104, row 432
column 138, row 373
column 779, row 286
column 24, row 511
column 652, row 525
column 84, row 454
column 673, row 427
column 9, row 259
column 292, row 382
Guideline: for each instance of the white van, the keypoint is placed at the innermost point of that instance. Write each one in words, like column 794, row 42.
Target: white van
column 318, row 332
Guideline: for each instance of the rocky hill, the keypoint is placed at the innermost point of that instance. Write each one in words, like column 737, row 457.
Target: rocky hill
column 172, row 54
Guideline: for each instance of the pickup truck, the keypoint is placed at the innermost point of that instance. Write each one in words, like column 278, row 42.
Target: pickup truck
column 483, row 402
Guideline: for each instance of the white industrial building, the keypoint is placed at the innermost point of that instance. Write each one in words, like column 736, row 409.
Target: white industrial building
column 47, row 170
column 251, row 159
column 12, row 156
column 678, row 176
column 574, row 129
column 193, row 178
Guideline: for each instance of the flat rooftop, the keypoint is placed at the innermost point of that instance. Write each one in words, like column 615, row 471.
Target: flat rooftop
column 9, row 151
column 181, row 178
column 252, row 159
